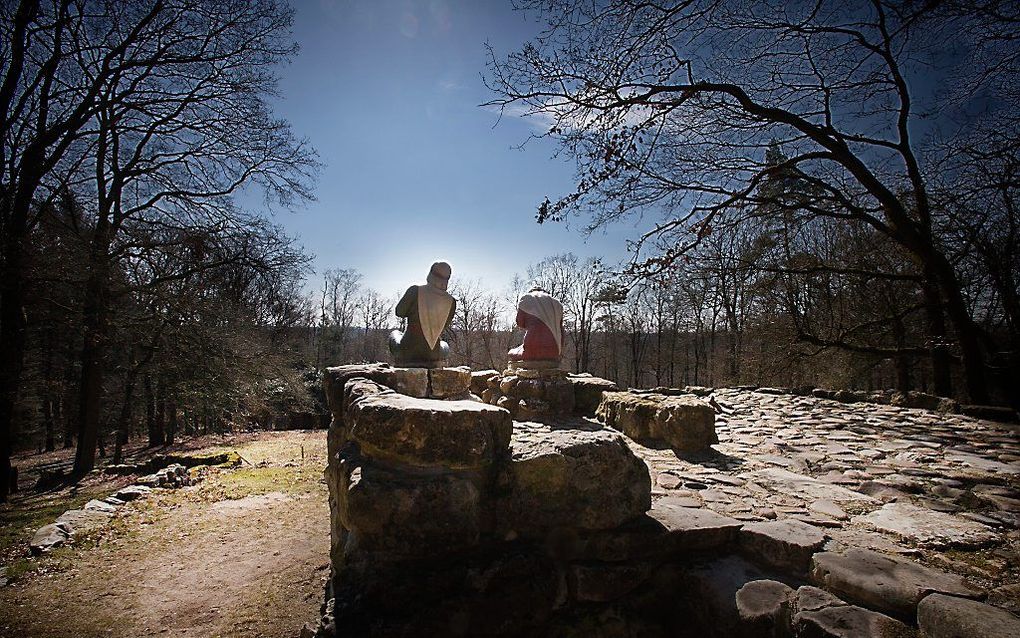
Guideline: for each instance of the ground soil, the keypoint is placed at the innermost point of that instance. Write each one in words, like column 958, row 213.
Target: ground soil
column 242, row 553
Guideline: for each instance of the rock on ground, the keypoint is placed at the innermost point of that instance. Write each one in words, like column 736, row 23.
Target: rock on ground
column 684, row 423
column 928, row 527
column 882, row 582
column 765, row 608
column 49, row 536
column 787, row 545
column 940, row 616
column 848, row 621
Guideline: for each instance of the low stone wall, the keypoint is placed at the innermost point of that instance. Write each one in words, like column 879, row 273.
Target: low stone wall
column 450, row 519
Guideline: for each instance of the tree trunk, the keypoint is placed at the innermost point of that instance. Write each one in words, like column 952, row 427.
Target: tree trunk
column 155, row 428
column 967, row 333
column 94, row 321
column 61, row 415
column 48, row 423
column 161, row 412
column 124, row 422
column 12, row 334
column 171, row 425
column 941, row 359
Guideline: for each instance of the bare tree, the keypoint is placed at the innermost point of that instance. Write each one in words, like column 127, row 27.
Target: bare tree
column 338, row 310
column 669, row 107
column 195, row 129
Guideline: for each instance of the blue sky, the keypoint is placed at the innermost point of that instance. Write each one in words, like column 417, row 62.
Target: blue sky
column 388, row 91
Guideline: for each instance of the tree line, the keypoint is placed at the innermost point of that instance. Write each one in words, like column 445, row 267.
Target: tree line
column 128, row 128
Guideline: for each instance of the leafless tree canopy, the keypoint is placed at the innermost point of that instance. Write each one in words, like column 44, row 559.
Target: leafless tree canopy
column 799, row 126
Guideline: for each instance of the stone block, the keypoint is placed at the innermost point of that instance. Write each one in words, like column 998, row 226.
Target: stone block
column 48, row 537
column 426, row 433
column 690, row 529
column 941, row 616
column 405, row 516
column 410, row 381
column 886, row 583
column 480, row 380
column 445, row 383
column 928, row 527
column 546, row 393
column 685, row 424
column 588, row 392
column 787, row 544
column 848, row 621
column 586, row 479
column 765, row 608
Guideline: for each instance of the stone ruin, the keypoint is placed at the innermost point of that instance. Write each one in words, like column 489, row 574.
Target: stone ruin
column 486, row 503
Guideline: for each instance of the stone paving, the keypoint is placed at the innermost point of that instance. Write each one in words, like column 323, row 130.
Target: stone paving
column 941, row 489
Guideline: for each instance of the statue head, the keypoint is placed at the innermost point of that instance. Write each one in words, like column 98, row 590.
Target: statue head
column 439, row 275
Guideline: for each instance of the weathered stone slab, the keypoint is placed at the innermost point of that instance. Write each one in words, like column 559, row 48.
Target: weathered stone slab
column 131, row 492
column 410, row 381
column 445, row 383
column 786, row 544
column 84, row 520
column 787, row 482
column 426, row 432
column 886, row 583
column 100, row 506
column 848, row 621
column 812, row 599
column 403, row 516
column 686, row 424
column 693, row 529
column 588, row 392
column 765, row 608
column 575, row 478
column 49, row 536
column 480, row 380
column 928, row 527
column 940, row 616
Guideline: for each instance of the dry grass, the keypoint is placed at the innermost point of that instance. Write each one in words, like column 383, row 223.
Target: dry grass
column 180, row 562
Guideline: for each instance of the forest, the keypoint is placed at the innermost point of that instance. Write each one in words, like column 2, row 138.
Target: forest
column 804, row 233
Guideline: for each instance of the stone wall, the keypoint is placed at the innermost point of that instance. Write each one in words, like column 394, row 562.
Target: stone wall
column 451, row 519
column 448, row 518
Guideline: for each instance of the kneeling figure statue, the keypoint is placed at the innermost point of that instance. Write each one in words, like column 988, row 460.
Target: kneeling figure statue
column 541, row 316
column 428, row 310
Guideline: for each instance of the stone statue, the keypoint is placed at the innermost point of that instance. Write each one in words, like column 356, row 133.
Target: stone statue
column 541, row 316
column 429, row 310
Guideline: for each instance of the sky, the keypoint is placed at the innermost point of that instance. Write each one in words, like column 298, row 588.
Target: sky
column 414, row 169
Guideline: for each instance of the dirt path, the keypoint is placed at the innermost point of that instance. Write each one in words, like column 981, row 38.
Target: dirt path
column 244, row 553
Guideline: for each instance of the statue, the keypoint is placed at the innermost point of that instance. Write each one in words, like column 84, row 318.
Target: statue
column 429, row 310
column 541, row 316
